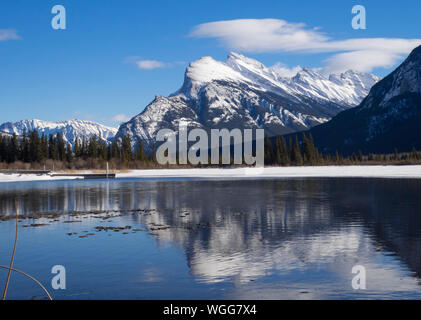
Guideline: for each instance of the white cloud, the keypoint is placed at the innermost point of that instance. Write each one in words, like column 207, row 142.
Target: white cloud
column 283, row 71
column 8, row 34
column 150, row 64
column 120, row 118
column 260, row 35
column 274, row 35
column 363, row 61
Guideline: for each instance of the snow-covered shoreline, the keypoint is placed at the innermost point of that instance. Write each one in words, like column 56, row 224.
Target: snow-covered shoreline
column 409, row 171
column 15, row 177
column 282, row 172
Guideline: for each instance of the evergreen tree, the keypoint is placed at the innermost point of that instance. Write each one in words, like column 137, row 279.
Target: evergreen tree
column 35, row 148
column 337, row 158
column 140, row 152
column 52, row 148
column 395, row 155
column 69, row 153
column 102, row 150
column 109, row 152
column 93, row 147
column 269, row 155
column 310, row 154
column 359, row 156
column 25, row 153
column 3, row 149
column 296, row 158
column 77, row 149
column 414, row 154
column 115, row 150
column 83, row 152
column 284, row 152
column 278, row 151
column 13, row 147
column 290, row 151
column 126, row 149
column 44, row 147
column 61, row 147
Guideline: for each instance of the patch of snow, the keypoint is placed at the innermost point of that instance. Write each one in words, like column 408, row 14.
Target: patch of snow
column 31, row 177
column 410, row 171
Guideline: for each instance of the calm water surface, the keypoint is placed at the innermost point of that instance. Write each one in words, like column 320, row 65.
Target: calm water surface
column 255, row 239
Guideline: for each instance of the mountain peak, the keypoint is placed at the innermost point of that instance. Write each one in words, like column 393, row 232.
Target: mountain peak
column 235, row 59
column 405, row 79
column 307, row 72
column 235, row 55
column 349, row 88
column 207, row 69
column 415, row 54
column 243, row 92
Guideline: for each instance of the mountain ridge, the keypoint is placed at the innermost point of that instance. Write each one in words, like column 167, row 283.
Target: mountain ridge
column 243, row 93
column 71, row 130
column 386, row 119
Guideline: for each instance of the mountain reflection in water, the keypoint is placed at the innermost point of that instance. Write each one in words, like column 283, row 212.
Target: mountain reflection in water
column 294, row 235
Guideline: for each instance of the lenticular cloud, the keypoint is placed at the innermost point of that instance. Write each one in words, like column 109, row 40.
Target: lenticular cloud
column 274, row 35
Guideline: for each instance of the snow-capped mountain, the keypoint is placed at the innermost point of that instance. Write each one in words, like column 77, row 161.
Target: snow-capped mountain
column 388, row 118
column 243, row 93
column 71, row 130
column 5, row 134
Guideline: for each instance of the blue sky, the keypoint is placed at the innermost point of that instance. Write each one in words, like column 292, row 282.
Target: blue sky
column 115, row 56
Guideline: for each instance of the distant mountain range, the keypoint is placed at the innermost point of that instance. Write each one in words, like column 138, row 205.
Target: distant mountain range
column 388, row 118
column 243, row 93
column 5, row 134
column 71, row 130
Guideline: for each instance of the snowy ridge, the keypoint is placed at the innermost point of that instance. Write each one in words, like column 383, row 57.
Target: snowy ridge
column 243, row 93
column 387, row 119
column 5, row 134
column 406, row 79
column 348, row 88
column 71, row 130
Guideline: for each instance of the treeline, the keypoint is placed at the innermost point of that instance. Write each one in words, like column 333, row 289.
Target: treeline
column 293, row 152
column 299, row 152
column 32, row 151
column 92, row 152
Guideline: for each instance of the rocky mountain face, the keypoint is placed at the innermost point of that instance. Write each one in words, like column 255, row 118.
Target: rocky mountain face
column 243, row 93
column 71, row 130
column 388, row 118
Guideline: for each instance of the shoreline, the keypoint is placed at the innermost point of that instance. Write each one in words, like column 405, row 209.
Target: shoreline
column 370, row 171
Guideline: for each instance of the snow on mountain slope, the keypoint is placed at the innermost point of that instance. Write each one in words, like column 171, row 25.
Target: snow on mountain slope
column 243, row 93
column 388, row 118
column 207, row 69
column 346, row 88
column 71, row 130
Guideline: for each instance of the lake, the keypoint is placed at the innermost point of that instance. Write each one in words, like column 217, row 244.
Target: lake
column 214, row 239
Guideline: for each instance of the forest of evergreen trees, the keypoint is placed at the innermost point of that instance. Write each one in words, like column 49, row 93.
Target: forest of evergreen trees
column 54, row 151
column 292, row 153
column 298, row 152
column 32, row 151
